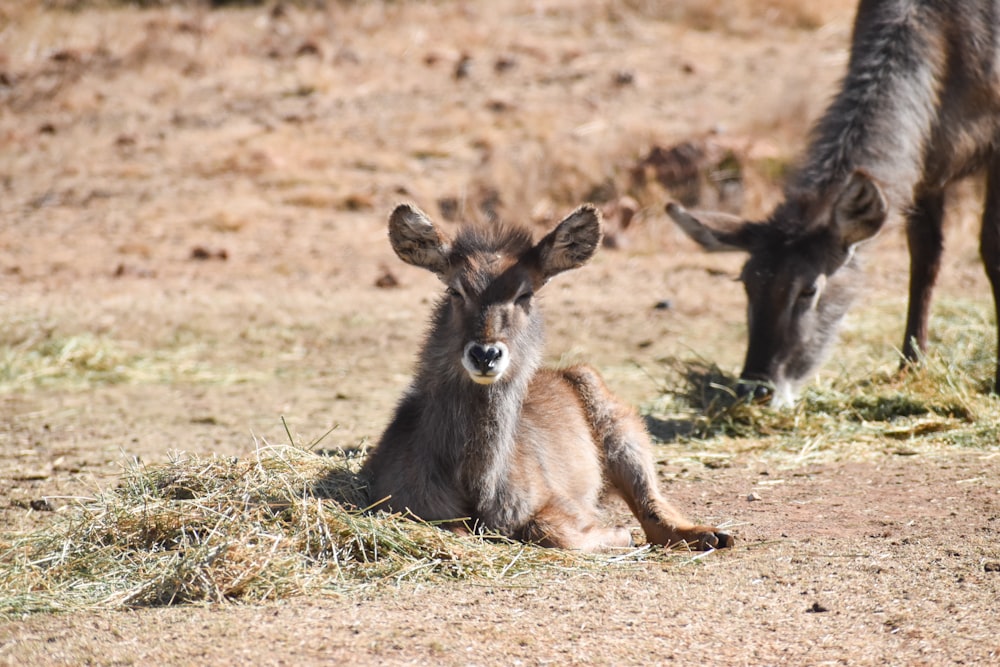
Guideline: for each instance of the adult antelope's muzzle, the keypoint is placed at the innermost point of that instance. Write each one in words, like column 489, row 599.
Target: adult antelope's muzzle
column 758, row 391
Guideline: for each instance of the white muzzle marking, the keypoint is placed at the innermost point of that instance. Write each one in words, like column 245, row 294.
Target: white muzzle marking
column 784, row 395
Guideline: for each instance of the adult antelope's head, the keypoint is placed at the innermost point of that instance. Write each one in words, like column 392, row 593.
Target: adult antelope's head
column 487, row 327
column 800, row 278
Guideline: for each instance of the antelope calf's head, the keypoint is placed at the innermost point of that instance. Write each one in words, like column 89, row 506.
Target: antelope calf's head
column 800, row 278
column 487, row 326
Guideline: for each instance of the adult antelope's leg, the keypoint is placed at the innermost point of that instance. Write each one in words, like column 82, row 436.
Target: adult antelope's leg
column 628, row 464
column 926, row 241
column 989, row 247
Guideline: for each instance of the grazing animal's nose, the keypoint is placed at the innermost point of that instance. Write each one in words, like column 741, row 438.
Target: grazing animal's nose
column 757, row 390
column 485, row 357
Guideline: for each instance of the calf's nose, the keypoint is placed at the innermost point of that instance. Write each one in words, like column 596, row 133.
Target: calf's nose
column 485, row 357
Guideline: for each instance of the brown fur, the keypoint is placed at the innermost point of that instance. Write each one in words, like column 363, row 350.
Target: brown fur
column 485, row 438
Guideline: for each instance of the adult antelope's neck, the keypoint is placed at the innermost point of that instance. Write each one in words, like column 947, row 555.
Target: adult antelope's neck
column 883, row 116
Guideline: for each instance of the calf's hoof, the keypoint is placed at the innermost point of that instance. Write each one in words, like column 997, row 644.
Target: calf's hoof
column 721, row 540
column 705, row 539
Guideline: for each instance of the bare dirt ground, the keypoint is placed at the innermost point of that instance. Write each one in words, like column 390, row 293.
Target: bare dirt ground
column 192, row 247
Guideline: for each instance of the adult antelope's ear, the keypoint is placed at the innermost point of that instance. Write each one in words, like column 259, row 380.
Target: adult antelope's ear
column 860, row 210
column 417, row 241
column 714, row 232
column 571, row 243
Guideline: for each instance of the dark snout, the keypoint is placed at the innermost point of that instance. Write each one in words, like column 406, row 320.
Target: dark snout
column 486, row 362
column 777, row 391
column 485, row 358
column 754, row 389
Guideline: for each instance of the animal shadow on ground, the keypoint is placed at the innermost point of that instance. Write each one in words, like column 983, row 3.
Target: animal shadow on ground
column 351, row 490
column 713, row 398
column 343, row 484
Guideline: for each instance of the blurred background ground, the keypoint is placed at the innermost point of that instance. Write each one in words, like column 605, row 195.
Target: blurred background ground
column 192, row 247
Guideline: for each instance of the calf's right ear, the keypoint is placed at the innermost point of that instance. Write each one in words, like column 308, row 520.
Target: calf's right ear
column 571, row 243
column 416, row 240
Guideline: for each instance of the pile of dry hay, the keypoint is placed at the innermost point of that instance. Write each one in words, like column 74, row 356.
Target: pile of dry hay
column 283, row 522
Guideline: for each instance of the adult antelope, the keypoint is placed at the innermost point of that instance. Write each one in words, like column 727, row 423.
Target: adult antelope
column 919, row 108
column 486, row 439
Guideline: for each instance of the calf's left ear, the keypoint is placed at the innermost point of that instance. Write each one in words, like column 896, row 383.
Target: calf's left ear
column 572, row 243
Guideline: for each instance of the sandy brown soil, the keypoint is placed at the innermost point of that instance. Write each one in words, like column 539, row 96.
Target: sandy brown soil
column 202, row 194
column 854, row 563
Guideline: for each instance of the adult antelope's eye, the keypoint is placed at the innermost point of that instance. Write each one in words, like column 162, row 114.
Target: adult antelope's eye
column 524, row 299
column 809, row 292
column 453, row 293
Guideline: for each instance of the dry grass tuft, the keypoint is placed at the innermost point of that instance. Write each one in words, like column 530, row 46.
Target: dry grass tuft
column 43, row 357
column 283, row 522
column 944, row 400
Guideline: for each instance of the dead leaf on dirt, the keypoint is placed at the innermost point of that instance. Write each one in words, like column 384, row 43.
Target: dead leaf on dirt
column 504, row 63
column 463, row 66
column 498, row 105
column 309, row 48
column 387, row 279
column 41, row 505
column 123, row 270
column 66, row 56
column 916, row 429
column 623, row 77
column 201, row 253
column 357, row 202
column 904, row 451
column 207, row 420
column 31, row 475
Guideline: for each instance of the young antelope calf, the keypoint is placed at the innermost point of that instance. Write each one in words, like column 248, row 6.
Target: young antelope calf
column 485, row 438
